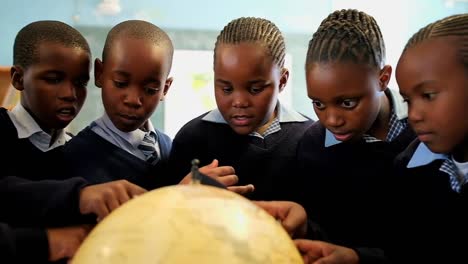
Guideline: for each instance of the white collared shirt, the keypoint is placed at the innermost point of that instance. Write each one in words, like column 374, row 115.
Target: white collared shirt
column 27, row 127
column 127, row 141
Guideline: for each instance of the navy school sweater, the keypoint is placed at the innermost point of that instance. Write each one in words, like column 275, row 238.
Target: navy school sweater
column 266, row 163
column 344, row 186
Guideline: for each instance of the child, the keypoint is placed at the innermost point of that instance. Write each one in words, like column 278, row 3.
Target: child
column 432, row 74
column 429, row 217
column 51, row 69
column 250, row 129
column 362, row 127
column 123, row 144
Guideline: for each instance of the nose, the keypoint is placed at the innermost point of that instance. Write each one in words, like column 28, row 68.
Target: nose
column 333, row 118
column 239, row 99
column 415, row 113
column 68, row 92
column 133, row 97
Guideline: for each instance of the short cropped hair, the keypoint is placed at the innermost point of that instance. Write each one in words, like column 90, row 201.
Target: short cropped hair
column 28, row 39
column 138, row 29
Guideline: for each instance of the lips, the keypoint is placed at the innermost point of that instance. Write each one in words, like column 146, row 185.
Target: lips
column 424, row 136
column 240, row 120
column 66, row 114
column 129, row 117
column 342, row 136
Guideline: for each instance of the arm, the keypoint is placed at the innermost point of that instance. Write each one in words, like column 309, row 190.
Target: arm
column 22, row 245
column 51, row 202
column 47, row 201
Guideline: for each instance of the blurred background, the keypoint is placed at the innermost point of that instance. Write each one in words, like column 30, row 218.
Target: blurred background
column 193, row 27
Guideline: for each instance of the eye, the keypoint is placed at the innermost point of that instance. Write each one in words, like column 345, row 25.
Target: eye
column 120, row 84
column 349, row 103
column 429, row 96
column 53, row 79
column 151, row 90
column 256, row 90
column 318, row 105
column 227, row 89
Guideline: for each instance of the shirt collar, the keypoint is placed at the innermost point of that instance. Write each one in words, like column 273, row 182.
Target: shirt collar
column 133, row 137
column 285, row 114
column 423, row 156
column 26, row 126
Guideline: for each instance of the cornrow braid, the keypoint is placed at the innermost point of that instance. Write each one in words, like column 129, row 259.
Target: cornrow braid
column 347, row 35
column 258, row 30
column 452, row 26
column 28, row 39
column 138, row 29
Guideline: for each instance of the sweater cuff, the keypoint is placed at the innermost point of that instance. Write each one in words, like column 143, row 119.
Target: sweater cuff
column 31, row 245
column 371, row 256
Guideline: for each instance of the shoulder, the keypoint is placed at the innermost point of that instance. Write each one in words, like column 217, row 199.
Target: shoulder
column 7, row 128
column 405, row 156
column 315, row 133
column 198, row 127
column 86, row 139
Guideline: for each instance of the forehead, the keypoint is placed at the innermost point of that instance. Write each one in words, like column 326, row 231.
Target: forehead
column 338, row 79
column 436, row 58
column 53, row 53
column 129, row 51
column 244, row 57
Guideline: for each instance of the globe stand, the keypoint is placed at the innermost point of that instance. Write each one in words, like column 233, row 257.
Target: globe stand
column 196, row 176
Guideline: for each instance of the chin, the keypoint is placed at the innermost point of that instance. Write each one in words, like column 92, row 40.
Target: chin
column 242, row 130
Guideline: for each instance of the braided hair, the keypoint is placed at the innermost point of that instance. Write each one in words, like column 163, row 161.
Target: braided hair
column 347, row 35
column 451, row 26
column 255, row 30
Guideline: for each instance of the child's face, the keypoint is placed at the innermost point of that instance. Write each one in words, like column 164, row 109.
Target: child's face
column 54, row 87
column 433, row 80
column 247, row 84
column 133, row 80
column 345, row 96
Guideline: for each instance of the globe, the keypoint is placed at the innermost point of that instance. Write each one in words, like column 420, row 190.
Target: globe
column 188, row 224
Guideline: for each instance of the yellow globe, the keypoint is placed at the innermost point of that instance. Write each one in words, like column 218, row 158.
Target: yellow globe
column 188, row 224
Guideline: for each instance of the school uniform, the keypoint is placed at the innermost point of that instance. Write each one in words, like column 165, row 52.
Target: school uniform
column 27, row 207
column 28, row 151
column 102, row 153
column 430, row 217
column 343, row 184
column 262, row 160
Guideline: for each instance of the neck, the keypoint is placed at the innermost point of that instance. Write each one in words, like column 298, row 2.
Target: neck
column 263, row 128
column 460, row 153
column 380, row 127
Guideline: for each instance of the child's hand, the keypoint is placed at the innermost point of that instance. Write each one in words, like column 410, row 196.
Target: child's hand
column 101, row 199
column 226, row 175
column 292, row 215
column 65, row 241
column 319, row 252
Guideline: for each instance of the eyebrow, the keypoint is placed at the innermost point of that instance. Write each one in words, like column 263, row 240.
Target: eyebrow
column 126, row 74
column 420, row 86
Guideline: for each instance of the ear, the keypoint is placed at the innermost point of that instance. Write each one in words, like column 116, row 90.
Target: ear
column 17, row 76
column 384, row 77
column 283, row 79
column 98, row 66
column 167, row 85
